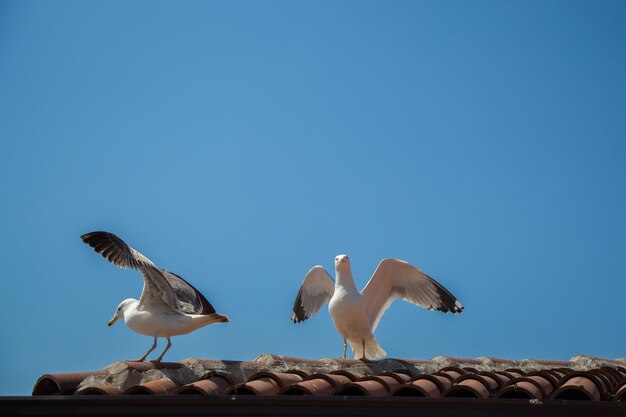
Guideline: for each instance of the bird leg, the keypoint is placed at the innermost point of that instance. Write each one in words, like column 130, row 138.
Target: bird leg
column 363, row 350
column 345, row 346
column 143, row 358
column 169, row 344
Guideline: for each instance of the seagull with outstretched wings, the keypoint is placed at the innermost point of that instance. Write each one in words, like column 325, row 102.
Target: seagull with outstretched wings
column 168, row 306
column 356, row 314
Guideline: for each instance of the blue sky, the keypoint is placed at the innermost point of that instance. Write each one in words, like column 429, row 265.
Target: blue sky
column 240, row 143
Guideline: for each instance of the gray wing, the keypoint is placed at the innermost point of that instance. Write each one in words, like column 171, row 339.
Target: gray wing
column 190, row 299
column 316, row 290
column 398, row 279
column 156, row 287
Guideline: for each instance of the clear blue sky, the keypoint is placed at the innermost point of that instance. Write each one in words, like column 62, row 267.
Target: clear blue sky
column 240, row 143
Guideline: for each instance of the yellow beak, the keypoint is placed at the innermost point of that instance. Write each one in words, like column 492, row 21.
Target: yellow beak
column 113, row 320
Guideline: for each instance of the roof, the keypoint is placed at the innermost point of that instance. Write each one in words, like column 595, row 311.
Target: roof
column 444, row 383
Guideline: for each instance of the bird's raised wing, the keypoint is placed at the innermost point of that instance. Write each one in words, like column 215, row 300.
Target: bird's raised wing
column 398, row 279
column 156, row 287
column 190, row 299
column 316, row 290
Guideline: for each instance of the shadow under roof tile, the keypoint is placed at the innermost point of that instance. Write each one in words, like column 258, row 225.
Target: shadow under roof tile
column 522, row 387
column 469, row 388
column 579, row 386
column 620, row 395
column 263, row 386
column 368, row 388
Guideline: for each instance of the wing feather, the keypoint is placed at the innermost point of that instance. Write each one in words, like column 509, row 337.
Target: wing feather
column 316, row 290
column 192, row 301
column 394, row 279
column 156, row 287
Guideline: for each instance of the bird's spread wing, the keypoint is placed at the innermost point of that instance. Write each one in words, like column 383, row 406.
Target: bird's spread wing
column 395, row 278
column 156, row 287
column 316, row 290
column 190, row 299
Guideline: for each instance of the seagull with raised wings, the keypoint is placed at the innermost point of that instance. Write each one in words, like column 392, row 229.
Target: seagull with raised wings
column 356, row 314
column 168, row 306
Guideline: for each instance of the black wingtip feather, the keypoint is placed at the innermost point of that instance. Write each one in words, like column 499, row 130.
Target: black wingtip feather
column 299, row 314
column 448, row 302
column 111, row 247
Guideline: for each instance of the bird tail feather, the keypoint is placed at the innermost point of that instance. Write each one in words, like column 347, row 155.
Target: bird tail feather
column 215, row 318
column 372, row 349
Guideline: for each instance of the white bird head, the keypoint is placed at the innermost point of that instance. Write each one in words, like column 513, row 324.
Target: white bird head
column 119, row 313
column 342, row 261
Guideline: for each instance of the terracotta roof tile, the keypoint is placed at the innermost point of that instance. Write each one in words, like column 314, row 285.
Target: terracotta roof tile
column 428, row 385
column 214, row 385
column 161, row 386
column 400, row 376
column 579, row 387
column 265, row 383
column 318, row 385
column 530, row 386
column 621, row 392
column 367, row 388
column 62, row 384
column 582, row 378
